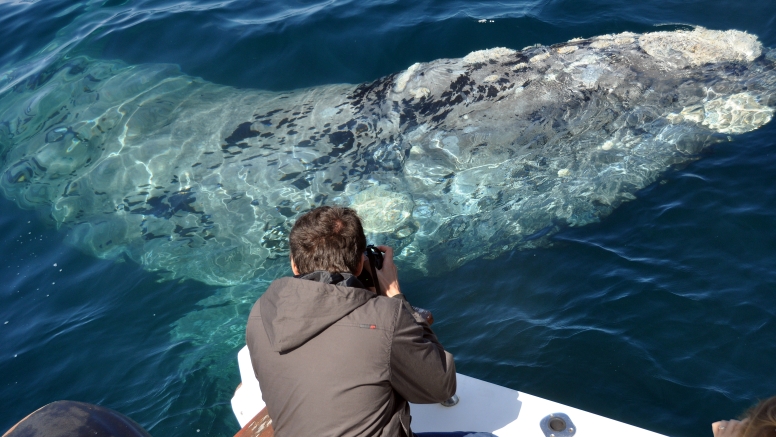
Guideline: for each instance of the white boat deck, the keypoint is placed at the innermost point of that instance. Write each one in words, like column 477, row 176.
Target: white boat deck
column 482, row 407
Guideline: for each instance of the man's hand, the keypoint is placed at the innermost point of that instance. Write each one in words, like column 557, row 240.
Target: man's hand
column 388, row 276
column 727, row 428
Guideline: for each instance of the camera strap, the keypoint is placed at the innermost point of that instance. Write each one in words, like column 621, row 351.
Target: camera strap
column 374, row 274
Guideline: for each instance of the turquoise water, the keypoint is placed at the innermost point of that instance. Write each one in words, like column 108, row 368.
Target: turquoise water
column 660, row 316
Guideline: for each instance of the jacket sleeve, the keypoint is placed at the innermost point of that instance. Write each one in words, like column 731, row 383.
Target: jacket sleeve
column 422, row 371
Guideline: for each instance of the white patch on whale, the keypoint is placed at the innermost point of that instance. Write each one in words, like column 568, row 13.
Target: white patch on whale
column 419, row 93
column 484, row 56
column 701, row 46
column 567, row 49
column 382, row 210
column 736, row 114
column 539, row 58
column 401, row 81
column 733, row 114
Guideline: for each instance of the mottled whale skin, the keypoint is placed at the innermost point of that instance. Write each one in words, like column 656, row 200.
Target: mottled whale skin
column 447, row 161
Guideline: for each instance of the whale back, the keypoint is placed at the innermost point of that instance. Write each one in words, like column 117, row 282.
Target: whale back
column 447, row 161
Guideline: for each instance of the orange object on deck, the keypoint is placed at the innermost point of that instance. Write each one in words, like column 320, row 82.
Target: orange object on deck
column 259, row 426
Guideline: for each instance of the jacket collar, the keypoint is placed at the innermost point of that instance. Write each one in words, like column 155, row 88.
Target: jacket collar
column 345, row 279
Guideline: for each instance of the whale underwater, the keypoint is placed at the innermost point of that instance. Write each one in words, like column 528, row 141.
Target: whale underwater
column 446, row 161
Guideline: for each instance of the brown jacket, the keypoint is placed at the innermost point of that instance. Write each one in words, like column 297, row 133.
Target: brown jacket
column 334, row 359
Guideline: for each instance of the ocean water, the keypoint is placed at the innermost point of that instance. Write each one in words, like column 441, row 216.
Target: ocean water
column 661, row 315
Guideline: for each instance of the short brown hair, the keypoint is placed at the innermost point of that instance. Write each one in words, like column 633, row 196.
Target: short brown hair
column 328, row 238
column 762, row 419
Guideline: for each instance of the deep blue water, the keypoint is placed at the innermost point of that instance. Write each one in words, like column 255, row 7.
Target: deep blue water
column 662, row 315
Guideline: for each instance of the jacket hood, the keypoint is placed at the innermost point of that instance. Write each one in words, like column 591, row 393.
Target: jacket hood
column 294, row 310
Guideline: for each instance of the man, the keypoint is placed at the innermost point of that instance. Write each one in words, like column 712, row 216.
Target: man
column 336, row 359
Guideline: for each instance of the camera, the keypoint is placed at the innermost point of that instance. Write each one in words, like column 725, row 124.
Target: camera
column 367, row 277
column 375, row 256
